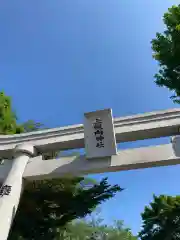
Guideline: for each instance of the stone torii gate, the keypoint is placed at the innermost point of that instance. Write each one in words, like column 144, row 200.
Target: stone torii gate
column 99, row 135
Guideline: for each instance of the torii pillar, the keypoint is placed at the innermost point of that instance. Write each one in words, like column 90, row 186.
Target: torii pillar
column 11, row 189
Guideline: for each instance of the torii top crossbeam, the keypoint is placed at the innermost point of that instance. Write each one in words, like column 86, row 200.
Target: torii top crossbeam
column 131, row 128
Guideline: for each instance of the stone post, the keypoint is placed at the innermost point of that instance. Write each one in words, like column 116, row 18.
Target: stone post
column 11, row 188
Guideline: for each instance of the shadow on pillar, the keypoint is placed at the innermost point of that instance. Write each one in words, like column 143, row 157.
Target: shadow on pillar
column 176, row 145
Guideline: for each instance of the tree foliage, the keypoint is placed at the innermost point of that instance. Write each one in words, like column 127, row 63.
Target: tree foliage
column 8, row 119
column 47, row 205
column 161, row 220
column 166, row 47
column 95, row 230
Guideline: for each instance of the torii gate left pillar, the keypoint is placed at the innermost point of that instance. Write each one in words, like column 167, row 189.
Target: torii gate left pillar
column 11, row 189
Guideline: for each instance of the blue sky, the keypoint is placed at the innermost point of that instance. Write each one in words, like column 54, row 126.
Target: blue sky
column 59, row 59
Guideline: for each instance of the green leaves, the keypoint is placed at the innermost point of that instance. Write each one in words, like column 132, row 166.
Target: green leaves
column 51, row 204
column 94, row 230
column 166, row 50
column 8, row 124
column 31, row 126
column 161, row 220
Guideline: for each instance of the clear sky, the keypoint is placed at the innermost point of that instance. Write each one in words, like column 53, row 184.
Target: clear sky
column 61, row 58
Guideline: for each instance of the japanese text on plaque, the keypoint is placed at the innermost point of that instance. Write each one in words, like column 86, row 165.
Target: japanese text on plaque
column 99, row 133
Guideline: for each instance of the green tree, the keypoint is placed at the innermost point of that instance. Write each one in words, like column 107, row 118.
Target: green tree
column 166, row 47
column 95, row 230
column 8, row 119
column 47, row 205
column 161, row 220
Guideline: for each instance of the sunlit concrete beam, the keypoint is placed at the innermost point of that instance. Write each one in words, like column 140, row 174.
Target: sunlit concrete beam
column 131, row 128
column 145, row 157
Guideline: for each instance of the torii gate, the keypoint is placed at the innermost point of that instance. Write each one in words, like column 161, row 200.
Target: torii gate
column 26, row 150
